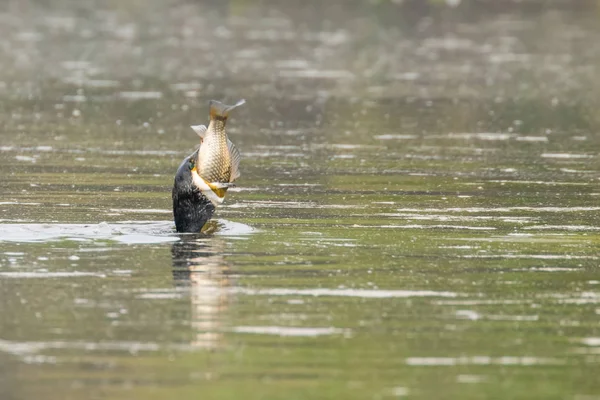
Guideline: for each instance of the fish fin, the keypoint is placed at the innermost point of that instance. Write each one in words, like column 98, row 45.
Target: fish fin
column 200, row 130
column 221, row 111
column 235, row 161
column 219, row 188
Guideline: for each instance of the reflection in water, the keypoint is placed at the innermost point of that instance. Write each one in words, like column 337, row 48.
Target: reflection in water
column 198, row 264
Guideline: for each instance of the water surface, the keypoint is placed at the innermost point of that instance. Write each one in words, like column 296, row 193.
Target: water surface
column 417, row 214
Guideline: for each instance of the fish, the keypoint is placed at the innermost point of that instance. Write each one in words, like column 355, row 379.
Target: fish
column 217, row 164
column 203, row 178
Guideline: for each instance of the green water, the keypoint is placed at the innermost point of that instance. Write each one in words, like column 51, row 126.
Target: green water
column 417, row 215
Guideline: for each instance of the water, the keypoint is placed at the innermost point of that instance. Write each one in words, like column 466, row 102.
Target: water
column 417, row 215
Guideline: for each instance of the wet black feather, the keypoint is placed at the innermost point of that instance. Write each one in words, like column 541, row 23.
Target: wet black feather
column 191, row 209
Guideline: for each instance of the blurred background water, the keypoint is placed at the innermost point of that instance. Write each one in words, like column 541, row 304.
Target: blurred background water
column 417, row 214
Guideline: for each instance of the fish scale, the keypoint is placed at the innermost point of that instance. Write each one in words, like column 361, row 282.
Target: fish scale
column 214, row 158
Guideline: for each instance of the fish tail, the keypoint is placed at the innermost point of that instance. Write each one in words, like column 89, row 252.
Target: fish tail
column 221, row 111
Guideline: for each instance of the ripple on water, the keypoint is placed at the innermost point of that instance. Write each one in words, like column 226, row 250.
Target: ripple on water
column 526, row 182
column 47, row 274
column 534, row 257
column 317, row 74
column 30, row 348
column 532, row 139
column 361, row 293
column 290, row 331
column 129, row 232
column 459, row 218
column 591, row 341
column 141, row 210
column 140, row 95
column 482, row 360
column 475, row 316
column 464, row 378
column 436, row 226
column 499, row 209
column 564, row 227
column 481, row 136
column 566, row 155
column 395, row 137
column 283, row 204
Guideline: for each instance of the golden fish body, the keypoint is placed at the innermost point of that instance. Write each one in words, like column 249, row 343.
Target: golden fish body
column 214, row 160
column 217, row 164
